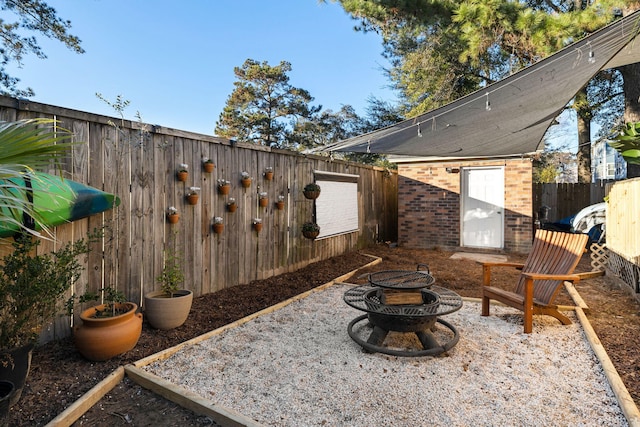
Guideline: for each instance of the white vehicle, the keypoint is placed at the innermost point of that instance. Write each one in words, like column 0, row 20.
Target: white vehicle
column 591, row 220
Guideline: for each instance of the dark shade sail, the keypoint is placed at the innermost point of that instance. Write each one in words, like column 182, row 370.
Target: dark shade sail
column 511, row 116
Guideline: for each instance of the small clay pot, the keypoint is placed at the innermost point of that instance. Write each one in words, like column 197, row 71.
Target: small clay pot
column 182, row 176
column 208, row 167
column 218, row 228
column 246, row 182
column 280, row 205
column 192, row 199
column 224, row 189
column 263, row 202
column 268, row 175
column 232, row 207
column 173, row 218
column 257, row 227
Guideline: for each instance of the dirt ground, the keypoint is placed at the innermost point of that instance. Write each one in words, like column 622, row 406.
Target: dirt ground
column 59, row 375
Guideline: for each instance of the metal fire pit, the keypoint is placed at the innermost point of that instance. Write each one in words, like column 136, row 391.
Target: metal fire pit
column 420, row 315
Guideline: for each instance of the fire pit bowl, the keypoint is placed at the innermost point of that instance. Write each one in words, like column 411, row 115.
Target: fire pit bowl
column 424, row 313
column 404, row 307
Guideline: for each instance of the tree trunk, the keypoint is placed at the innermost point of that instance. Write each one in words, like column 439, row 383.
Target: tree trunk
column 583, row 119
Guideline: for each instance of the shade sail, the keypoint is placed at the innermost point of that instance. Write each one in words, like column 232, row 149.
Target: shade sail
column 511, row 116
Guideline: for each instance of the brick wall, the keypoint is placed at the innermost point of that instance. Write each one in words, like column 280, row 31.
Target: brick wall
column 429, row 204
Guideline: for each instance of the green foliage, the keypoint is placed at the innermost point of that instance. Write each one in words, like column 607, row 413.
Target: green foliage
column 172, row 277
column 26, row 145
column 33, row 286
column 29, row 16
column 310, row 226
column 627, row 143
column 312, row 187
column 263, row 104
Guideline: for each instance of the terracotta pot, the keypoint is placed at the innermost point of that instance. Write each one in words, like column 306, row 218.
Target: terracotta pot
column 310, row 234
column 173, row 219
column 102, row 338
column 246, row 182
column 164, row 312
column 280, row 205
column 257, row 227
column 263, row 202
column 192, row 199
column 208, row 167
column 224, row 189
column 268, row 175
column 7, row 390
column 218, row 228
column 311, row 194
column 182, row 176
column 17, row 369
column 232, row 207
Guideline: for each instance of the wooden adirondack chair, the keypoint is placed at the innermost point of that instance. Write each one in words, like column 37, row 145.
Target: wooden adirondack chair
column 552, row 259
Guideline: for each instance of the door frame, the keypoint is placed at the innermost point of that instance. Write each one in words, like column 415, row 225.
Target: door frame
column 463, row 199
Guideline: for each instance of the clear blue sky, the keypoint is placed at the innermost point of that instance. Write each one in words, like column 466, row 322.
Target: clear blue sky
column 174, row 60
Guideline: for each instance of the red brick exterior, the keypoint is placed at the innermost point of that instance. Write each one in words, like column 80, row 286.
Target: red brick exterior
column 429, row 204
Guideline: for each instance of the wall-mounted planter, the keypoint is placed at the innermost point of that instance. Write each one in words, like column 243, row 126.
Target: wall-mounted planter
column 192, row 199
column 232, row 207
column 257, row 225
column 310, row 230
column 263, row 200
column 224, row 189
column 311, row 191
column 182, row 176
column 218, row 228
column 268, row 174
column 173, row 218
column 280, row 205
column 246, row 182
column 310, row 234
column 208, row 167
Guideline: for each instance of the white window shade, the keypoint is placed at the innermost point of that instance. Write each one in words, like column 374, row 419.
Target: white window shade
column 337, row 206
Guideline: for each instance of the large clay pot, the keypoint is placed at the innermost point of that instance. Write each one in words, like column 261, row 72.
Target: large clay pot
column 102, row 338
column 6, row 393
column 164, row 312
column 14, row 367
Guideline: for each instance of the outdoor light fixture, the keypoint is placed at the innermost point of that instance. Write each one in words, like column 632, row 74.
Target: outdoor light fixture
column 453, row 170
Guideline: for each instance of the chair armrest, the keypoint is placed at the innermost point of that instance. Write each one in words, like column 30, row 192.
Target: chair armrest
column 567, row 277
column 486, row 269
column 591, row 274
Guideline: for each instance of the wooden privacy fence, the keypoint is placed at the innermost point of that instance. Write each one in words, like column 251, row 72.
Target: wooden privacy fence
column 623, row 231
column 567, row 199
column 138, row 163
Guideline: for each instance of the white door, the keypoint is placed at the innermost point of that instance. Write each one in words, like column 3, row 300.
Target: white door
column 483, row 207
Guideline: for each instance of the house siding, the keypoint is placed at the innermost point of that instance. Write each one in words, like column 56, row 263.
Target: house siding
column 429, row 203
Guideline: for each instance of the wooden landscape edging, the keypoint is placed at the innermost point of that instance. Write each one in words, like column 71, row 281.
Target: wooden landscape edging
column 628, row 406
column 229, row 417
column 87, row 400
column 175, row 393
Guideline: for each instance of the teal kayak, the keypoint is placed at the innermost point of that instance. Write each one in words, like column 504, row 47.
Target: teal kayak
column 56, row 201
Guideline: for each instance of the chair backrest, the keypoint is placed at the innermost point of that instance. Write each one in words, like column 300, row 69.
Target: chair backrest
column 553, row 252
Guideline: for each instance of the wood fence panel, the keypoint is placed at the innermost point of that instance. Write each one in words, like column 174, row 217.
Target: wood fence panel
column 623, row 221
column 138, row 163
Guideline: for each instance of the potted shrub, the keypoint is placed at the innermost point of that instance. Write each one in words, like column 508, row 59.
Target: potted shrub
column 257, row 224
column 218, row 224
column 263, row 199
column 169, row 307
column 208, row 165
column 192, row 195
column 232, row 205
column 311, row 191
column 310, row 230
column 33, row 291
column 183, row 172
column 245, row 179
column 224, row 186
column 268, row 173
column 172, row 215
column 280, row 203
column 108, row 329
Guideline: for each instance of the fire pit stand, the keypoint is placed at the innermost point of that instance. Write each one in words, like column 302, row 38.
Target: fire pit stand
column 403, row 301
